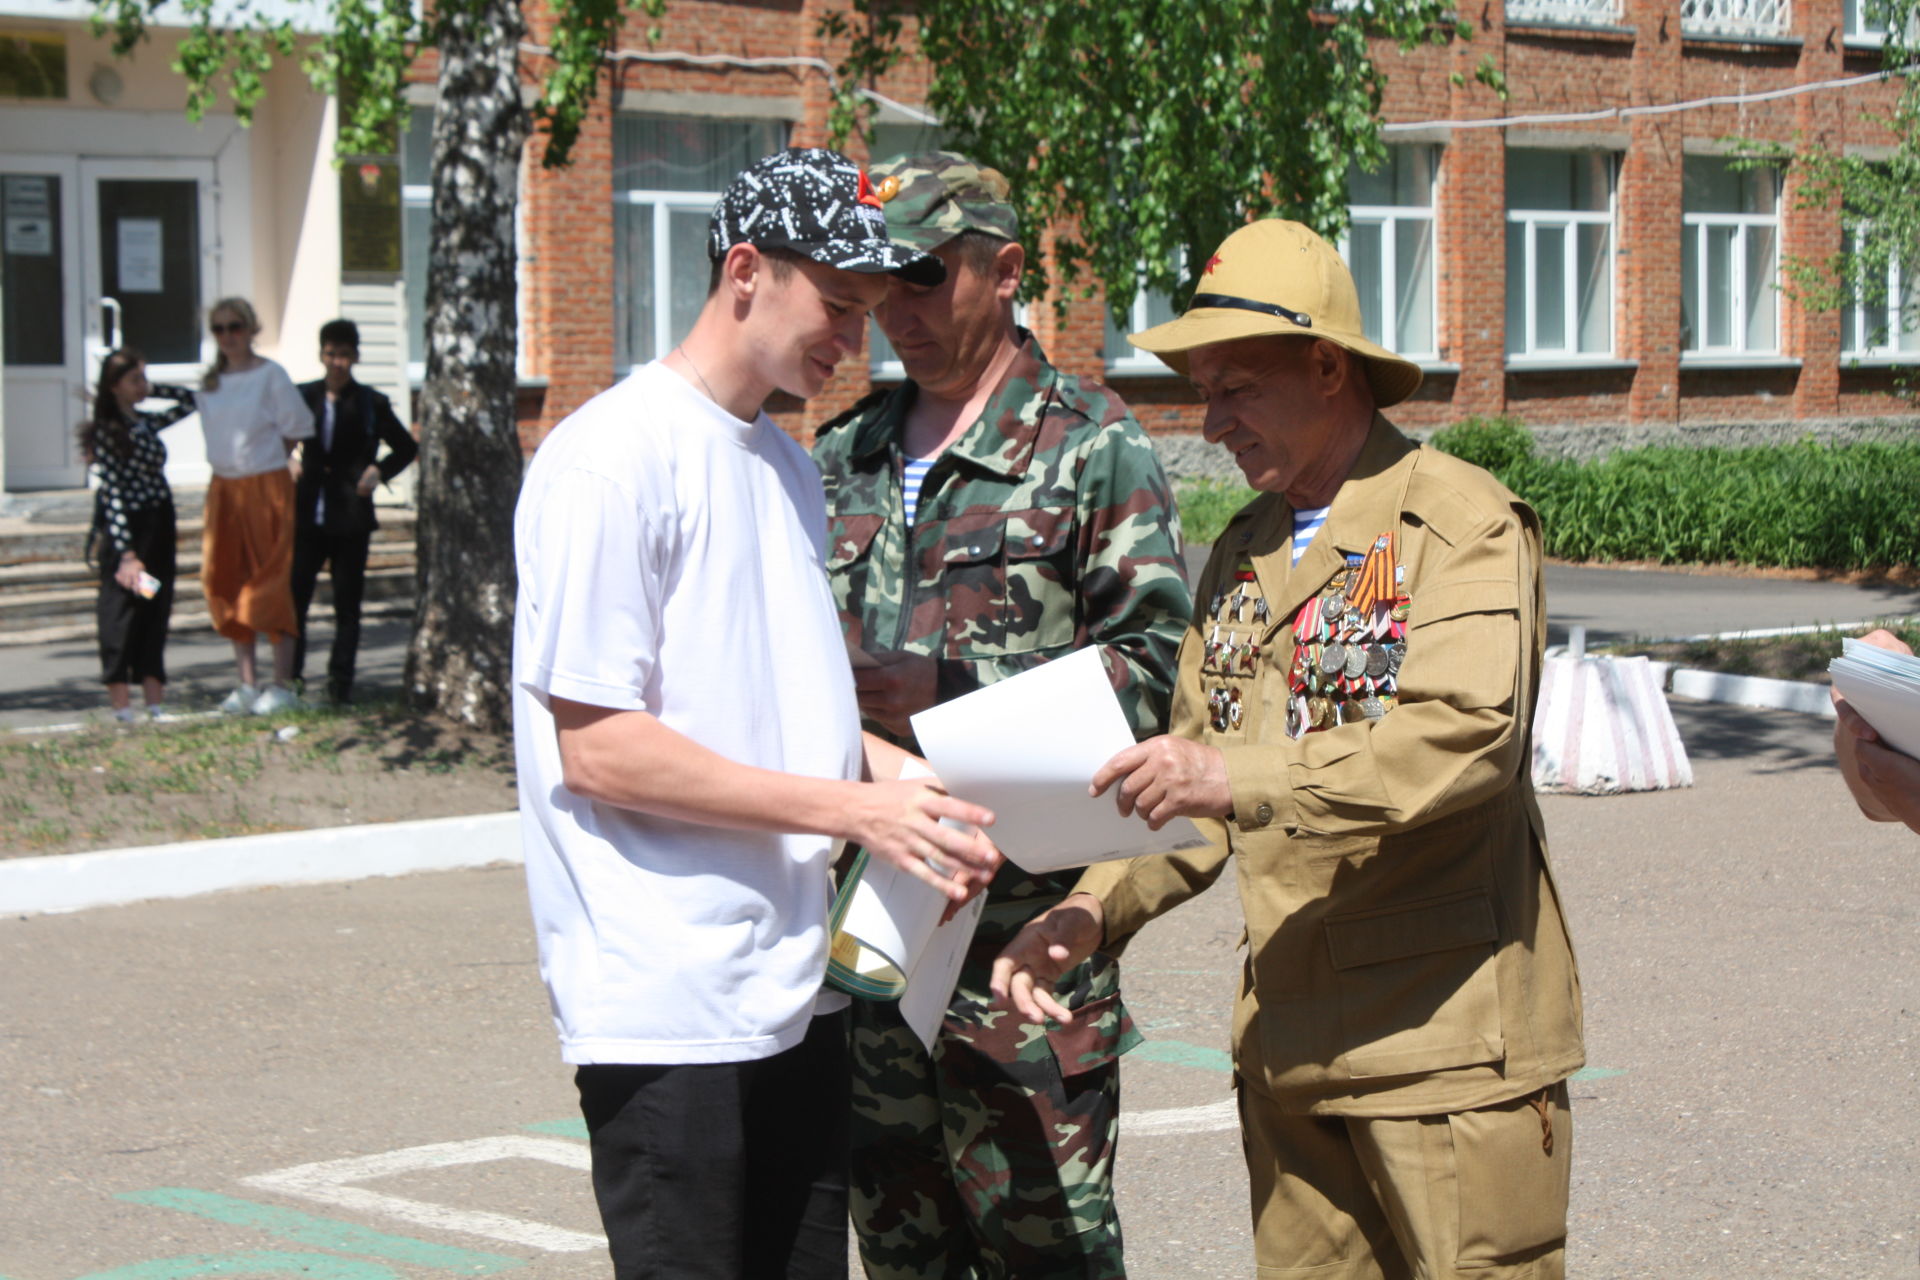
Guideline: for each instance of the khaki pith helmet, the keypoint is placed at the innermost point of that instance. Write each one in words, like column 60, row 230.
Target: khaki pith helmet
column 932, row 197
column 1274, row 277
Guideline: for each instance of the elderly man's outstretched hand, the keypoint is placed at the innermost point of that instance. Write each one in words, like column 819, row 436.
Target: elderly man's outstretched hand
column 1024, row 973
column 1165, row 778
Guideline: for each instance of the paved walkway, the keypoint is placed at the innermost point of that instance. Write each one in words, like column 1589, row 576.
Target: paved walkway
column 55, row 683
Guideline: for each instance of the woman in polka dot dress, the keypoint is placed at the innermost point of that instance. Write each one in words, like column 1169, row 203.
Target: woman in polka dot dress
column 134, row 527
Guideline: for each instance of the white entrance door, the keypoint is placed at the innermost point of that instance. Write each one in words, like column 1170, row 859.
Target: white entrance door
column 150, row 270
column 41, row 325
column 98, row 254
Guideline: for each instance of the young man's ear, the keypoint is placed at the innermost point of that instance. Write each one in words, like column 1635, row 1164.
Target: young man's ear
column 741, row 270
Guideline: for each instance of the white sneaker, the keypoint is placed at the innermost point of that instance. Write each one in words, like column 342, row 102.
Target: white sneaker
column 156, row 714
column 275, row 698
column 240, row 701
column 125, row 715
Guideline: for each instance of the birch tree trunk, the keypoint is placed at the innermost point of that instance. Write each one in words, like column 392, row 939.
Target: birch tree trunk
column 459, row 662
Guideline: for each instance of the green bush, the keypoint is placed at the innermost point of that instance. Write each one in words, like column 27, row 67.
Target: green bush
column 1207, row 505
column 1804, row 505
column 1494, row 443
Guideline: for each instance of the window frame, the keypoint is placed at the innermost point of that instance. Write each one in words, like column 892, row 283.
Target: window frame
column 664, row 204
column 1854, row 325
column 1568, row 223
column 1136, row 363
column 1698, row 226
column 1388, row 218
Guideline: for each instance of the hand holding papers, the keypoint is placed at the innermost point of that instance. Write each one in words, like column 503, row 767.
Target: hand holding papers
column 1027, row 748
column 887, row 940
column 1876, row 685
column 1883, row 685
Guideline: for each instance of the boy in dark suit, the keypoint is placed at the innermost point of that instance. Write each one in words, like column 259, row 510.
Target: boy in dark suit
column 335, row 474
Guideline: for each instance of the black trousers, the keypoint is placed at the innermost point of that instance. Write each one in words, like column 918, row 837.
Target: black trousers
column 345, row 554
column 133, row 630
column 725, row 1171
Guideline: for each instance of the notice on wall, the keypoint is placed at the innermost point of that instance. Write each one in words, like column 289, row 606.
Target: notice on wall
column 139, row 255
column 29, row 216
column 32, row 237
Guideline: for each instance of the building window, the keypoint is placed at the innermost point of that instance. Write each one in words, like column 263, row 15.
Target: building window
column 1730, row 250
column 1734, row 17
column 667, row 173
column 1122, row 357
column 1586, row 13
column 1389, row 247
column 34, row 65
column 1866, row 23
column 416, row 225
column 1887, row 328
column 1559, row 254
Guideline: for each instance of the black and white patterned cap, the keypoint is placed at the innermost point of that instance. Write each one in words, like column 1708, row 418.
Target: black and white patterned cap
column 817, row 203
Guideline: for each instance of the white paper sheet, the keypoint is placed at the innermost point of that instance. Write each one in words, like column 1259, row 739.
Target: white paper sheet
column 1884, row 687
column 930, row 987
column 140, row 256
column 896, row 917
column 1027, row 748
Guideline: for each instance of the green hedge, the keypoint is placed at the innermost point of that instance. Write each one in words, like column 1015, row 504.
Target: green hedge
column 1804, row 505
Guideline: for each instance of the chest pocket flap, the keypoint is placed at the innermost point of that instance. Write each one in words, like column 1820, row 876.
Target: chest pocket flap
column 849, row 536
column 1457, row 599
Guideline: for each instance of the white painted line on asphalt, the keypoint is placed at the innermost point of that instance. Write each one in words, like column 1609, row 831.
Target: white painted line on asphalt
column 328, row 1182
column 1210, row 1118
column 1754, row 691
column 114, row 877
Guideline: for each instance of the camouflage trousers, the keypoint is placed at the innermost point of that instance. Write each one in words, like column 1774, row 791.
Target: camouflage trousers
column 992, row 1157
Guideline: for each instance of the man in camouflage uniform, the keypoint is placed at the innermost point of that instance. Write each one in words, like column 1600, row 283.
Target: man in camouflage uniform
column 1042, row 523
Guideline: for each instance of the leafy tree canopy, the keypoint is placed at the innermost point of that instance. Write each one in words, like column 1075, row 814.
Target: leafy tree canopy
column 362, row 55
column 1150, row 129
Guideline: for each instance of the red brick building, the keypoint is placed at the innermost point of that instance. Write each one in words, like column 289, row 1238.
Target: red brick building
column 1579, row 253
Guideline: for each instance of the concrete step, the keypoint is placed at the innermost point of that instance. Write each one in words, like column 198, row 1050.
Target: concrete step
column 65, row 613
column 192, row 619
column 45, row 575
column 25, row 542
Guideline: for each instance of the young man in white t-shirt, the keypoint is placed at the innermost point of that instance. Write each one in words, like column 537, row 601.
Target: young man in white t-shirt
column 689, row 751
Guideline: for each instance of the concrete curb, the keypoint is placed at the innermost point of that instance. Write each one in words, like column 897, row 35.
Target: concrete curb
column 116, row 877
column 1753, row 691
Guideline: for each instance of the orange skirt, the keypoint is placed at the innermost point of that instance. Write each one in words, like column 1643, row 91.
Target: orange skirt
column 246, row 565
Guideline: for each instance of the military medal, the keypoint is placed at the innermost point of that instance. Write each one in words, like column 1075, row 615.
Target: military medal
column 1377, row 661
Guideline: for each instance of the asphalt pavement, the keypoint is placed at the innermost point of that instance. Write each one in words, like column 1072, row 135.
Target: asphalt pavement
column 59, row 682
column 360, row 1081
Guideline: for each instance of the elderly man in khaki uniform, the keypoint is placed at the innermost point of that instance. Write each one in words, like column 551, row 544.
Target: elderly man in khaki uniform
column 1351, row 725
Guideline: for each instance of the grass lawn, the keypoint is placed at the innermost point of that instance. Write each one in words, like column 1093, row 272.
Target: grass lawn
column 144, row 784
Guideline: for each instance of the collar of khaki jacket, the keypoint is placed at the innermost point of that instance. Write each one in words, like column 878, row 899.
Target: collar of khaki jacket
column 1001, row 440
column 1367, row 505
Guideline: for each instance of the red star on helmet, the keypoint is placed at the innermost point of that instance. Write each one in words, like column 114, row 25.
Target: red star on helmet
column 1212, row 264
column 866, row 195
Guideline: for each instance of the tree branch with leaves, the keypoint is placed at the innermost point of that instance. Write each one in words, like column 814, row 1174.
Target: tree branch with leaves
column 1149, row 129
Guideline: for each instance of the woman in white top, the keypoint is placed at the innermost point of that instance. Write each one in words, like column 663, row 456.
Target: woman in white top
column 253, row 416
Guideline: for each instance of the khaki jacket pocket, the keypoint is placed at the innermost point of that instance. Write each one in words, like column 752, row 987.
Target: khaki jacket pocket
column 1417, row 986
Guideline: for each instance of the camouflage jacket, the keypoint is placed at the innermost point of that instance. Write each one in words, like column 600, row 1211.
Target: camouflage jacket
column 1048, row 526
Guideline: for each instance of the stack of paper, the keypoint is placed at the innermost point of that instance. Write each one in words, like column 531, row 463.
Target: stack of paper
column 1027, row 748
column 1884, row 687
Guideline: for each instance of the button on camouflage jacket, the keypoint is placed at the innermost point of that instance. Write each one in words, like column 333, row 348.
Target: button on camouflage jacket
column 1049, row 525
